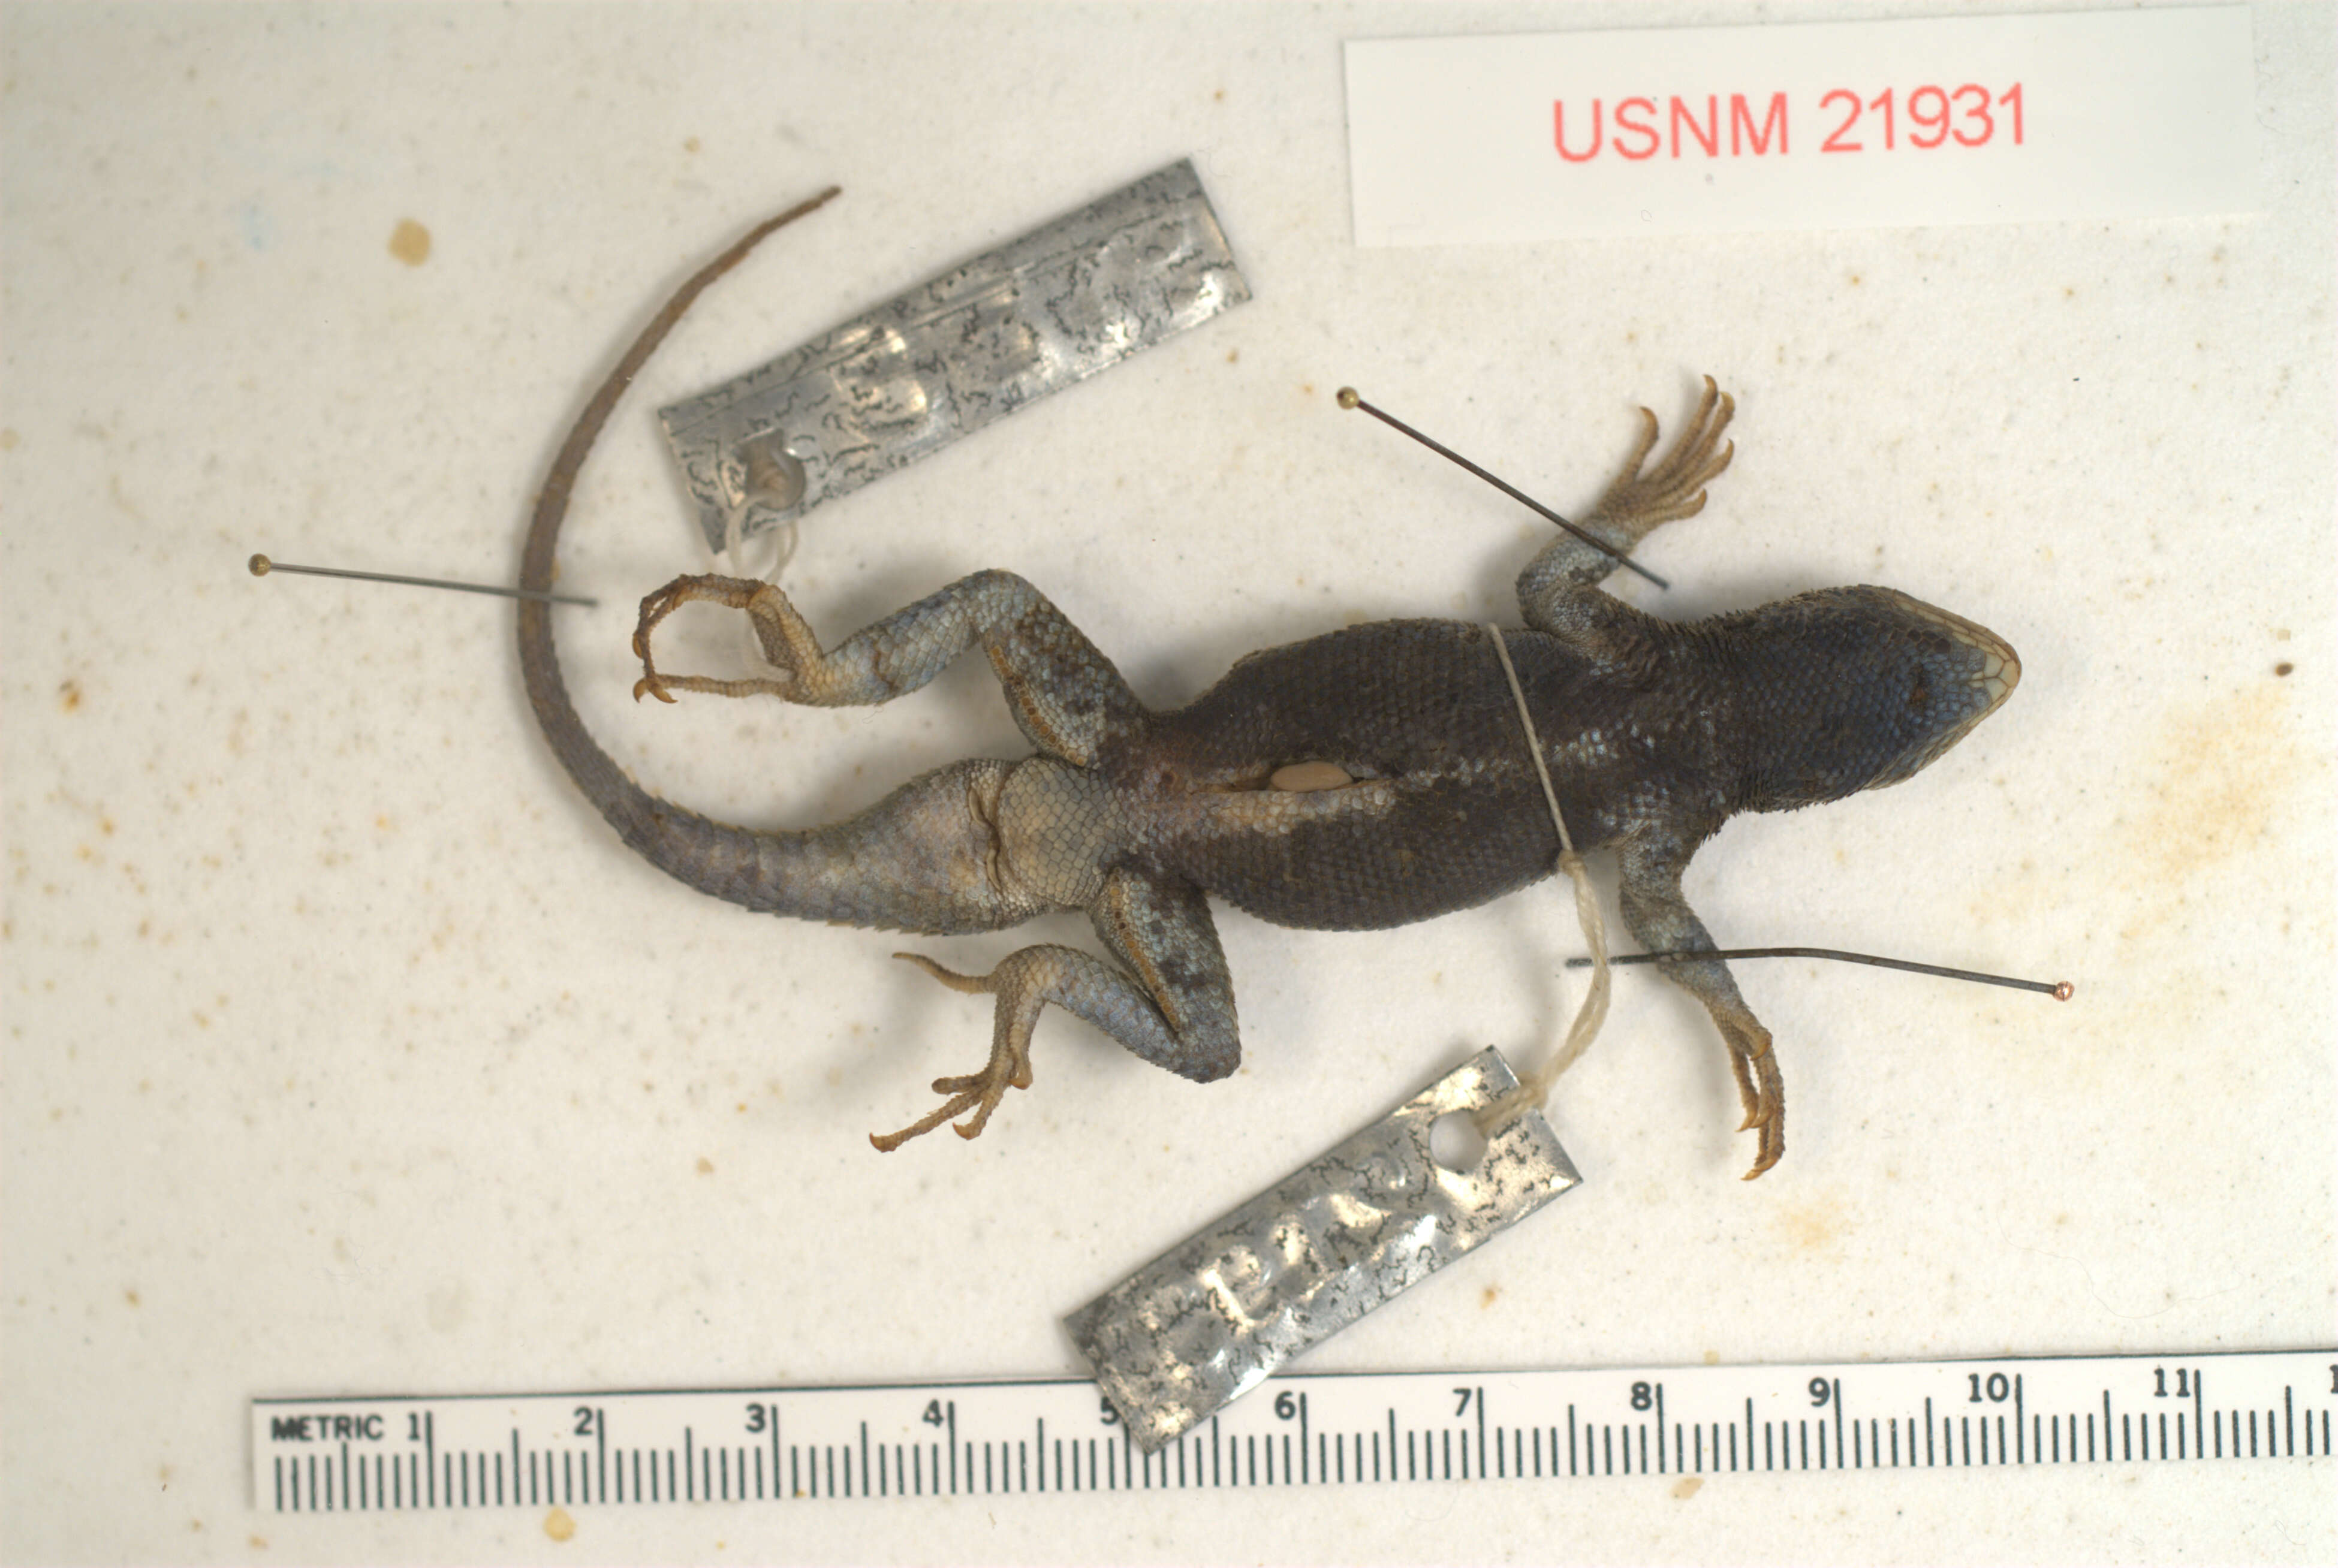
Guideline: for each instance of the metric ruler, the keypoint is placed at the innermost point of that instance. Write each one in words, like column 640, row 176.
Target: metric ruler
column 953, row 1439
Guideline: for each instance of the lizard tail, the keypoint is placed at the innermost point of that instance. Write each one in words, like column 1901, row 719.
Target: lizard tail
column 707, row 855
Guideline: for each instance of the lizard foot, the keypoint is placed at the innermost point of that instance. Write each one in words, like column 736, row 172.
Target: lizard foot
column 1674, row 488
column 781, row 629
column 1009, row 1066
column 1761, row 1091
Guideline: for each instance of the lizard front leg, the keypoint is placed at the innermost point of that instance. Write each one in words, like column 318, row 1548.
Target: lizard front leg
column 1177, row 1012
column 1662, row 921
column 1065, row 695
column 1559, row 589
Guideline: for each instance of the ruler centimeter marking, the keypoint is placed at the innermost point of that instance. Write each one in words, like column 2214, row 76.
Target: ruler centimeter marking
column 954, row 1439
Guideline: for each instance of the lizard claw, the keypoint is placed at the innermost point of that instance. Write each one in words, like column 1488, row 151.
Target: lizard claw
column 1674, row 488
column 1763, row 1091
column 731, row 592
column 1009, row 1066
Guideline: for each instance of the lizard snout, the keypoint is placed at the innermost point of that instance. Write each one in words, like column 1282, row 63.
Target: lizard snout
column 1974, row 671
column 1996, row 669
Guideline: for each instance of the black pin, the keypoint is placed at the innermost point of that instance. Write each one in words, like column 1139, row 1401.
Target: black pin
column 261, row 566
column 1348, row 398
column 2060, row 990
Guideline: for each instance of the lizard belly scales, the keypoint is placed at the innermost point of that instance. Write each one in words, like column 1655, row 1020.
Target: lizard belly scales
column 1443, row 811
column 1367, row 778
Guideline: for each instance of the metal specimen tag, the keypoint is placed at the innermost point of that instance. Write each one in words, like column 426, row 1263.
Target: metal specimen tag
column 947, row 357
column 1216, row 1314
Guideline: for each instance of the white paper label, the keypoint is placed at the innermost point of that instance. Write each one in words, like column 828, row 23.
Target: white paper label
column 1857, row 124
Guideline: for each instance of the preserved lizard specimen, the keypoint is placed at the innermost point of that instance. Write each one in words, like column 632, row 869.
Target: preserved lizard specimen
column 1368, row 777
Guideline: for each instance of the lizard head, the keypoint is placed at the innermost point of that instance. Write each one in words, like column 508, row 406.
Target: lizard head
column 1866, row 687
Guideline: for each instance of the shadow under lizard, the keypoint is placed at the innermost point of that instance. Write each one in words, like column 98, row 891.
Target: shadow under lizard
column 1369, row 778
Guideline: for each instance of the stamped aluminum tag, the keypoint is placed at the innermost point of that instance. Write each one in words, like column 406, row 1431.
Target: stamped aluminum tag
column 946, row 358
column 1212, row 1317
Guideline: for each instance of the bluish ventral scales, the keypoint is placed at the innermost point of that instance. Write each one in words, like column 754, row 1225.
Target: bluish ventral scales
column 1363, row 778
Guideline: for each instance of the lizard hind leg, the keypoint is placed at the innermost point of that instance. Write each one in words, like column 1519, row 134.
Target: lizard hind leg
column 1009, row 1066
column 1173, row 1005
column 1064, row 696
column 788, row 643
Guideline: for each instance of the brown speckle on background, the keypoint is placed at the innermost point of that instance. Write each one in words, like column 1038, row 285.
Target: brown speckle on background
column 410, row 243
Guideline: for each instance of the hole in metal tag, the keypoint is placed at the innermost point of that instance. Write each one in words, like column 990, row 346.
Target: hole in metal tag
column 946, row 358
column 1212, row 1317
